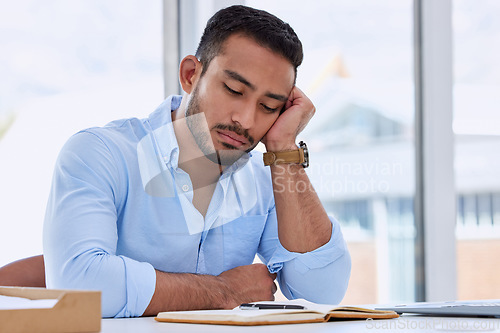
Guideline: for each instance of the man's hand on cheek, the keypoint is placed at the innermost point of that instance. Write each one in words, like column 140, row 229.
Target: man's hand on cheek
column 298, row 111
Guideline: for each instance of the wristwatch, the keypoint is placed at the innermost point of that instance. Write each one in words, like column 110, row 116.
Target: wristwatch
column 298, row 156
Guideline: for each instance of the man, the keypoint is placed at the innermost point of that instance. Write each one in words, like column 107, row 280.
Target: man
column 168, row 212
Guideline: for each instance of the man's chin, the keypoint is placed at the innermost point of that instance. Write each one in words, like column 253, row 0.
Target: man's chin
column 225, row 157
column 227, row 154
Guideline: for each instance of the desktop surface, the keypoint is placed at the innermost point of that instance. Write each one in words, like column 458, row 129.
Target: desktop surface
column 408, row 323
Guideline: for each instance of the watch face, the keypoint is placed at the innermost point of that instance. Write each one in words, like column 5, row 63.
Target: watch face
column 303, row 145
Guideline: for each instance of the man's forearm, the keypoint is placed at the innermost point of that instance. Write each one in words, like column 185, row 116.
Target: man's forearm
column 303, row 224
column 185, row 291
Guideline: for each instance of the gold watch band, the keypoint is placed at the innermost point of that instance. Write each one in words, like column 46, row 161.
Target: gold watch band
column 284, row 157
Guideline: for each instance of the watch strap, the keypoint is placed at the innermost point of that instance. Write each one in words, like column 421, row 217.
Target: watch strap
column 284, row 157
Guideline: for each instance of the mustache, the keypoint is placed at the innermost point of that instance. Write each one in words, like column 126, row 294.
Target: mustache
column 236, row 129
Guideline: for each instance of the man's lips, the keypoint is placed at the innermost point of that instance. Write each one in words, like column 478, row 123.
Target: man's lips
column 232, row 138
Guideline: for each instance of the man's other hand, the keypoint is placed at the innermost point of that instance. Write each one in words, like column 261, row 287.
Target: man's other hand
column 250, row 283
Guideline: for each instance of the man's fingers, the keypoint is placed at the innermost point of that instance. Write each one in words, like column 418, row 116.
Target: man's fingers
column 288, row 104
column 274, row 287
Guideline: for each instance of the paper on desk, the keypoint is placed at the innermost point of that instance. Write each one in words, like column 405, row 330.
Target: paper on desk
column 18, row 303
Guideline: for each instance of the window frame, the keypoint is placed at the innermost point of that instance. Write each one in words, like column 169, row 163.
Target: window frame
column 435, row 202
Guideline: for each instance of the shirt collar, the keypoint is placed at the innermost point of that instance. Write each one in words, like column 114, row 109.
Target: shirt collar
column 236, row 166
column 163, row 133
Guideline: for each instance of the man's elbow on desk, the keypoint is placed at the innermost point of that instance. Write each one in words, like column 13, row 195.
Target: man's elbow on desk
column 325, row 285
column 126, row 285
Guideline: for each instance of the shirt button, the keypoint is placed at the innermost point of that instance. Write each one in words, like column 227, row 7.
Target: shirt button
column 185, row 188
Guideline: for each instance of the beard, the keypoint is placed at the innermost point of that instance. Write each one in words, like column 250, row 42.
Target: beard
column 198, row 126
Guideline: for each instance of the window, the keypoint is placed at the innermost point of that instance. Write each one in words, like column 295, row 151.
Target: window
column 65, row 66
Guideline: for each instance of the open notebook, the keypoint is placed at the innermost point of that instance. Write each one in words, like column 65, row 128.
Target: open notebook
column 312, row 313
column 480, row 308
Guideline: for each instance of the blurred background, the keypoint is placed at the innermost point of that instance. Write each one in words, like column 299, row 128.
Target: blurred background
column 65, row 66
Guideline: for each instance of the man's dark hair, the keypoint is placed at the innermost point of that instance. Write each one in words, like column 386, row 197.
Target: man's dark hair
column 266, row 29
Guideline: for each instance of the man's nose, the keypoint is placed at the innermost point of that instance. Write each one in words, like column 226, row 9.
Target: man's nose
column 244, row 115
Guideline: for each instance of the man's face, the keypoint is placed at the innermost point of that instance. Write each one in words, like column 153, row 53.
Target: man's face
column 241, row 95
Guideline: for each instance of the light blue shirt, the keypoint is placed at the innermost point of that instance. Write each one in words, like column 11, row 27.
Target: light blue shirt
column 120, row 207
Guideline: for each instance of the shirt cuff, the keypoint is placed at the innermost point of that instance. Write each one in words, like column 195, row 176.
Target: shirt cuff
column 318, row 258
column 141, row 285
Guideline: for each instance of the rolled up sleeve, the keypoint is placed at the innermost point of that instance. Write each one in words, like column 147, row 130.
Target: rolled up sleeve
column 80, row 230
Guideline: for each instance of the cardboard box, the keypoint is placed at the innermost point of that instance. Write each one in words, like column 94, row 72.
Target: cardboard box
column 75, row 311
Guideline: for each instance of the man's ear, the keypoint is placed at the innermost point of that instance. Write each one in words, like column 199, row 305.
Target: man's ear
column 189, row 72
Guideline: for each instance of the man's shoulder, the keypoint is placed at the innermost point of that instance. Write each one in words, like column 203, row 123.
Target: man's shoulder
column 113, row 144
column 128, row 127
column 133, row 129
column 117, row 134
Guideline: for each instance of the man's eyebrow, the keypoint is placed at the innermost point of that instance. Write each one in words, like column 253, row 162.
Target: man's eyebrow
column 280, row 98
column 238, row 77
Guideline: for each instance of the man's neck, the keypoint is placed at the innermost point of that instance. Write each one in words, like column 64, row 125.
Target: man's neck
column 202, row 171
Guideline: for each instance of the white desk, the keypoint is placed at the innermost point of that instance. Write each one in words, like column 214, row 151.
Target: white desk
column 402, row 324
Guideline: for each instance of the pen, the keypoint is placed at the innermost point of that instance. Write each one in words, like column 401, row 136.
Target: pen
column 267, row 306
